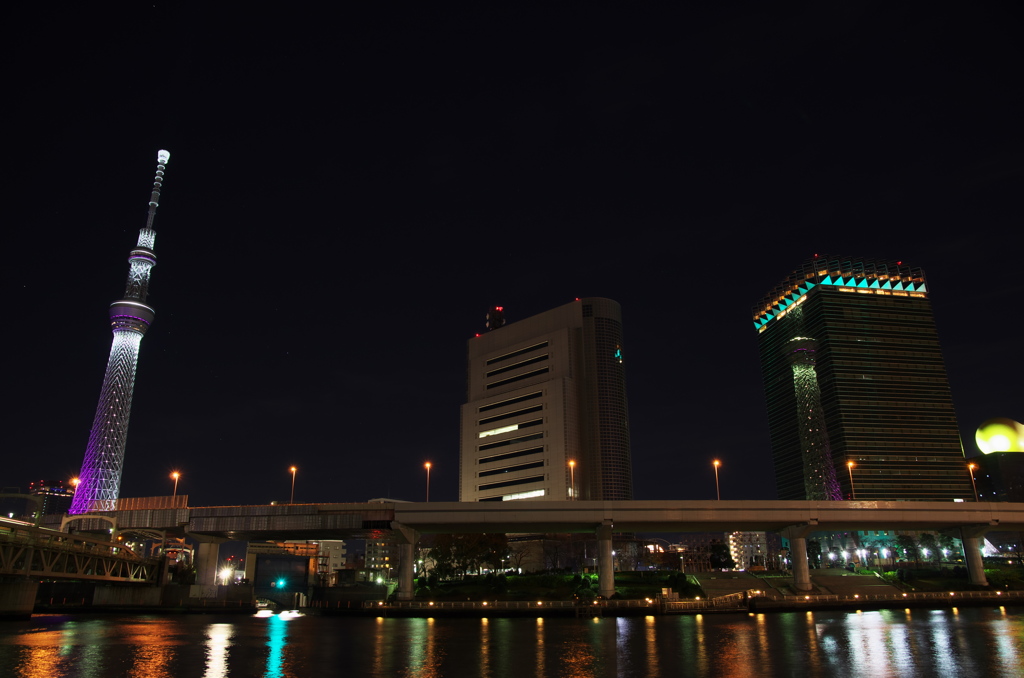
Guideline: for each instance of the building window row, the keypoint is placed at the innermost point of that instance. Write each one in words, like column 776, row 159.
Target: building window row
column 513, row 354
column 520, row 377
column 510, row 427
column 510, row 483
column 510, row 441
column 509, row 415
column 516, row 366
column 510, row 455
column 510, row 401
column 511, row 469
column 529, row 494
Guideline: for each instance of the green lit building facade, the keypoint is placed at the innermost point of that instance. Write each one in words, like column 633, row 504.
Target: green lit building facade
column 859, row 405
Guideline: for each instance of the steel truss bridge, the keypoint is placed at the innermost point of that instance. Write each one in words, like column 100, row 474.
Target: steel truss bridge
column 35, row 552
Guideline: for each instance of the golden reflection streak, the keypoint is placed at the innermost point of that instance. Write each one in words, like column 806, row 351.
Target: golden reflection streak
column 813, row 649
column 734, row 649
column 153, row 653
column 653, row 668
column 485, row 647
column 416, row 647
column 431, row 667
column 41, row 662
column 702, row 653
column 379, row 646
column 539, row 661
column 762, row 635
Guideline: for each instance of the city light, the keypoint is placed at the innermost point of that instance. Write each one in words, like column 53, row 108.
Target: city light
column 427, row 466
column 718, row 489
column 293, row 470
column 853, row 492
column 572, row 479
column 174, row 476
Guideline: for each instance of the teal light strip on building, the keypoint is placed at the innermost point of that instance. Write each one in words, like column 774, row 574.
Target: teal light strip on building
column 792, row 299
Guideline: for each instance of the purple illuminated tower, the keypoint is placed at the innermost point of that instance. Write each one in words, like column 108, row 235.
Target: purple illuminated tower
column 100, row 479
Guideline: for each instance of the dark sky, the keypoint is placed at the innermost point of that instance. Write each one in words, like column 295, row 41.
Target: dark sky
column 349, row 192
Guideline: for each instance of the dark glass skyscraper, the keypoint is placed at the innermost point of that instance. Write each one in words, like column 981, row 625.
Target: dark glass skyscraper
column 859, row 406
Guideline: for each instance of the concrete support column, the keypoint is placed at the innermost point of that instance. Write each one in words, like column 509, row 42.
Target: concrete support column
column 17, row 597
column 797, row 536
column 407, row 538
column 605, row 563
column 973, row 541
column 801, row 569
column 207, row 562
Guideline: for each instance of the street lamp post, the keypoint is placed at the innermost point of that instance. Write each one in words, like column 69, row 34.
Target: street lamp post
column 971, row 468
column 572, row 479
column 293, row 470
column 175, row 475
column 427, row 466
column 853, row 493
column 718, row 489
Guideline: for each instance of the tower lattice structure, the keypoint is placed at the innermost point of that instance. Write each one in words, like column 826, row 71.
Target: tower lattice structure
column 130, row 317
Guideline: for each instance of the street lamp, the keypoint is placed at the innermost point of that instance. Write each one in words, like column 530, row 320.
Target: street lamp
column 572, row 479
column 175, row 475
column 853, row 493
column 971, row 468
column 293, row 470
column 718, row 489
column 75, row 482
column 427, row 466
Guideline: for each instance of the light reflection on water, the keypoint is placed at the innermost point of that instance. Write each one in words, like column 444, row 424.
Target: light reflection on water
column 828, row 644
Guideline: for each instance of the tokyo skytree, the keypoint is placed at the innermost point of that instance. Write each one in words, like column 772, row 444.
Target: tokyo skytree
column 130, row 317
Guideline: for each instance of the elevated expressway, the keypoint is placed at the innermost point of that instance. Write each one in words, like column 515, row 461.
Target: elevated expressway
column 795, row 520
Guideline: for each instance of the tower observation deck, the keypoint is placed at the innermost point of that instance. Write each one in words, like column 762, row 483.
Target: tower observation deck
column 130, row 317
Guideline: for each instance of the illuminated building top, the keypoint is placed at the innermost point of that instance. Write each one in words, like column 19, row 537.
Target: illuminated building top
column 857, row 276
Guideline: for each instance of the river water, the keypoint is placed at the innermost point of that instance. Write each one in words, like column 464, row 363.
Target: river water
column 952, row 642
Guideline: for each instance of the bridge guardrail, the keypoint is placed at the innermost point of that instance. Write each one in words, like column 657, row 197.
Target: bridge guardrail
column 70, row 544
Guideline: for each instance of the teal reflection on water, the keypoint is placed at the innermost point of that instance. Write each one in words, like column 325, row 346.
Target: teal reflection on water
column 277, row 638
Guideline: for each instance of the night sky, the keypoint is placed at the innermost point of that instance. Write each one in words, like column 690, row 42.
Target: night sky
column 349, row 192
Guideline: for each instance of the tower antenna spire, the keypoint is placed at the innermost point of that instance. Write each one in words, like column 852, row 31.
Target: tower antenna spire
column 130, row 317
column 162, row 158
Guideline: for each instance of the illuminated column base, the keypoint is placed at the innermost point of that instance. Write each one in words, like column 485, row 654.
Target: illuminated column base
column 801, row 569
column 797, row 536
column 972, row 541
column 605, row 563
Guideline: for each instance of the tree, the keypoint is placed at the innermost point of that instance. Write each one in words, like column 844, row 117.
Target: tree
column 553, row 551
column 947, row 545
column 720, row 557
column 495, row 550
column 520, row 552
column 906, row 547
column 442, row 553
column 814, row 552
column 929, row 547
